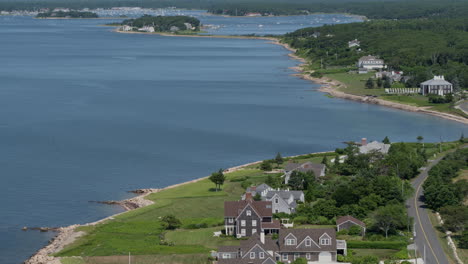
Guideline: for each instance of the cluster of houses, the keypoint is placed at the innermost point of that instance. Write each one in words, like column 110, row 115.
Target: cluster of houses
column 254, row 219
column 271, row 240
column 150, row 29
column 438, row 85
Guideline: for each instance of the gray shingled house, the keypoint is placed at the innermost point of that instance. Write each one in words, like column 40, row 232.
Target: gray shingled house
column 315, row 245
column 346, row 222
column 283, row 201
column 248, row 217
column 316, row 168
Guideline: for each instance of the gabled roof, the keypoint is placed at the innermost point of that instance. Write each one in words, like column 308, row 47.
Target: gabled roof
column 305, row 167
column 375, row 145
column 234, row 208
column 284, row 194
column 346, row 218
column 269, row 245
column 301, row 234
column 437, row 80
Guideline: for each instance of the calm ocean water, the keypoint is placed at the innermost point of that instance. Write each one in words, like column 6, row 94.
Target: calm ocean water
column 87, row 114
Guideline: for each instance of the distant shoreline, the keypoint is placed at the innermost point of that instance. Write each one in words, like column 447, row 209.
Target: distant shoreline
column 327, row 85
column 79, row 18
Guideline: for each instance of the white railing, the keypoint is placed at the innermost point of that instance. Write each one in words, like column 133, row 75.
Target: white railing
column 402, row 90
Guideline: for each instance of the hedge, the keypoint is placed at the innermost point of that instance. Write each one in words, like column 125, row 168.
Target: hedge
column 398, row 245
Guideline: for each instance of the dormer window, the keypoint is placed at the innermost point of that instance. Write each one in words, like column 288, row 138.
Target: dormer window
column 249, row 213
column 308, row 243
column 261, row 255
column 325, row 239
column 290, row 242
column 276, row 200
column 252, row 255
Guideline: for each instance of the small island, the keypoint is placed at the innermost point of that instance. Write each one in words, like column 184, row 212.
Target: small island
column 162, row 24
column 67, row 14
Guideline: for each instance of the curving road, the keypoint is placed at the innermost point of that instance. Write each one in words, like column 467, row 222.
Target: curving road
column 426, row 236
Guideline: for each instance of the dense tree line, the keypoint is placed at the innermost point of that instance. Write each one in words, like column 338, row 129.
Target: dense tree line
column 420, row 47
column 388, row 9
column 369, row 186
column 71, row 14
column 163, row 23
column 439, row 189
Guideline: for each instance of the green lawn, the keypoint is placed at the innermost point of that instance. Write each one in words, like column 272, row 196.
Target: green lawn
column 148, row 259
column 140, row 231
column 200, row 237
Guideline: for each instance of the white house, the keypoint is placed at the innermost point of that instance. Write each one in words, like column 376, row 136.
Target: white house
column 438, row 85
column 371, row 63
column 366, row 148
column 354, row 43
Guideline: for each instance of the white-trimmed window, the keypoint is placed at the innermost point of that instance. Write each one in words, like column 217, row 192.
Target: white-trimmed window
column 231, row 220
column 226, row 256
column 249, row 213
column 254, row 222
column 290, row 242
column 308, row 242
column 296, row 256
column 325, row 241
column 254, row 231
column 308, row 256
column 242, row 222
column 252, row 255
column 243, row 232
column 276, row 200
column 261, row 255
column 285, row 256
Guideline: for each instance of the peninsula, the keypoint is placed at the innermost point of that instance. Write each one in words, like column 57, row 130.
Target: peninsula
column 161, row 24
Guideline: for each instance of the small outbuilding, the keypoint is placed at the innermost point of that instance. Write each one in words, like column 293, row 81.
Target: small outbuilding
column 438, row 85
column 346, row 222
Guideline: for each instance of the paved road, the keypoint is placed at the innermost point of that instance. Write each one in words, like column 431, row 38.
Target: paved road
column 425, row 234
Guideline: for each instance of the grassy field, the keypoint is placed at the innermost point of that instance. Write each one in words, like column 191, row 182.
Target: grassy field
column 143, row 259
column 141, row 233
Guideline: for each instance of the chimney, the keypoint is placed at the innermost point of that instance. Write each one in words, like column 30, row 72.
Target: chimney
column 363, row 141
column 262, row 237
column 248, row 197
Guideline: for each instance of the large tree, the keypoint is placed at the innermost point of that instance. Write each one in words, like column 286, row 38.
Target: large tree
column 218, row 178
column 390, row 217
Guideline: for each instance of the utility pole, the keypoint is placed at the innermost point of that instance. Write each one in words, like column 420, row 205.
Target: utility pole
column 129, row 258
column 424, row 257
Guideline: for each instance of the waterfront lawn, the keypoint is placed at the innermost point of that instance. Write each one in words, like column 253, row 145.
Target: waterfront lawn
column 141, row 233
column 355, row 83
column 200, row 237
column 149, row 259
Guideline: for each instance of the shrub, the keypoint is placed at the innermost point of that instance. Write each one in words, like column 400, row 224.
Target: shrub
column 300, row 220
column 342, row 232
column 170, row 222
column 355, row 231
column 377, row 244
column 197, row 226
column 245, row 184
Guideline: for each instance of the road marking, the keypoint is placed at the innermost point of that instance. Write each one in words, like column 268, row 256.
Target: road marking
column 420, row 224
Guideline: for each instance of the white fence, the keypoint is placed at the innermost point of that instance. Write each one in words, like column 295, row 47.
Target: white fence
column 402, row 90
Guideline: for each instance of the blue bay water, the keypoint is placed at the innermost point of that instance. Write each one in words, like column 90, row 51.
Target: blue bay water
column 88, row 114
